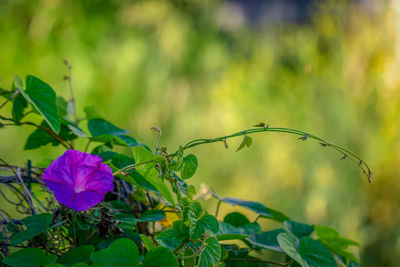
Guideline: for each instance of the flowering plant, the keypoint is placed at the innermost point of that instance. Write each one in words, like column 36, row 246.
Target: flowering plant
column 105, row 208
column 79, row 180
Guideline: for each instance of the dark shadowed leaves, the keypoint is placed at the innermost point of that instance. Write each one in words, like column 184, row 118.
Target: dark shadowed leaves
column 160, row 256
column 254, row 206
column 77, row 255
column 299, row 229
column 229, row 232
column 236, row 219
column 267, row 240
column 34, row 225
column 32, row 257
column 122, row 252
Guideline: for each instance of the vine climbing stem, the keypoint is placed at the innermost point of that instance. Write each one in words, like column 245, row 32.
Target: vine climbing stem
column 303, row 136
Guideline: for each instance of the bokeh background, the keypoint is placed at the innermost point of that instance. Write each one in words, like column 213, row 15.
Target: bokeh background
column 205, row 68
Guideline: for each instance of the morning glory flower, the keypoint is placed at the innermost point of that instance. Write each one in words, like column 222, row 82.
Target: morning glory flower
column 79, row 180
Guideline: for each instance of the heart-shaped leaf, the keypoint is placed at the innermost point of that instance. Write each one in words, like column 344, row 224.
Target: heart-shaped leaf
column 211, row 253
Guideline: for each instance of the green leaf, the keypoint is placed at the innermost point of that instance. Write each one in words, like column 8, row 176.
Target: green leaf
column 18, row 83
column 91, row 113
column 20, row 103
column 80, row 265
column 40, row 138
column 195, row 211
column 247, row 141
column 120, row 161
column 151, row 216
column 106, row 132
column 99, row 127
column 288, row 245
column 173, row 237
column 267, row 240
column 5, row 93
column 150, row 173
column 190, row 191
column 189, row 259
column 34, row 225
column 211, row 253
column 229, row 232
column 147, row 216
column 160, row 256
column 32, row 257
column 77, row 255
column 251, row 228
column 1, row 236
column 190, row 165
column 43, row 98
column 148, row 244
column 18, row 108
column 276, row 215
column 332, row 239
column 122, row 252
column 236, row 219
column 254, row 206
column 315, row 254
column 299, row 229
column 307, row 252
column 198, row 227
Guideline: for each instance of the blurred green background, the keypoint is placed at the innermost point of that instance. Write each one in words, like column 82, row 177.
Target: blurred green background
column 200, row 69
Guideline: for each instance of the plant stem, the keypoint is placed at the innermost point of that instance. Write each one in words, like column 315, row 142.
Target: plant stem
column 50, row 132
column 87, row 145
column 217, row 208
column 304, row 136
column 71, row 90
column 132, row 166
column 354, row 157
column 9, row 99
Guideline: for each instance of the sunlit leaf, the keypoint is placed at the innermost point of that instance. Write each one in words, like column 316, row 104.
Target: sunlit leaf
column 148, row 244
column 190, row 165
column 43, row 98
column 150, row 173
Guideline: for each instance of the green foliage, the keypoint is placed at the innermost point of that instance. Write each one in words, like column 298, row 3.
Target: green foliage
column 43, row 99
column 122, row 252
column 77, row 255
column 33, row 257
column 189, row 166
column 34, row 225
column 160, row 256
column 154, row 217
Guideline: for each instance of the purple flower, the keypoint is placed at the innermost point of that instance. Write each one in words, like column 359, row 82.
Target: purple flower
column 79, row 180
